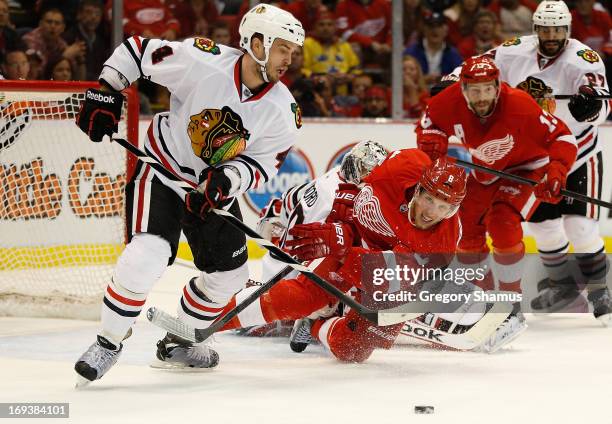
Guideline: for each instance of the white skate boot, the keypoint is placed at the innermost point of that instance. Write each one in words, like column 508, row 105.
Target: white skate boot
column 176, row 353
column 96, row 361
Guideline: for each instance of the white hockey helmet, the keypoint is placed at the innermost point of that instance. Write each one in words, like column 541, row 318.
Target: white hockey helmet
column 272, row 23
column 552, row 13
column 358, row 162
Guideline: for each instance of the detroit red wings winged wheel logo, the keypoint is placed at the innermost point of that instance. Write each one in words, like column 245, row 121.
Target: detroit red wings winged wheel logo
column 217, row 135
column 493, row 150
column 368, row 213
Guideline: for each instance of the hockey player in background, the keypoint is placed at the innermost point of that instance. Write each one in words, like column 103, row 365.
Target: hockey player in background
column 503, row 128
column 407, row 205
column 229, row 128
column 547, row 63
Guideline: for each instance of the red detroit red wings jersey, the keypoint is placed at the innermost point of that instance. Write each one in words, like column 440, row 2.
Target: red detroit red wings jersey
column 518, row 135
column 381, row 208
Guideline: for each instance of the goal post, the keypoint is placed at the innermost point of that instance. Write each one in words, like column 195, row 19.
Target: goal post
column 62, row 223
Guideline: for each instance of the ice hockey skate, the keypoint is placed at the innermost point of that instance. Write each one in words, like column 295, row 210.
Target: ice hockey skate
column 300, row 336
column 602, row 306
column 557, row 296
column 96, row 361
column 509, row 330
column 178, row 354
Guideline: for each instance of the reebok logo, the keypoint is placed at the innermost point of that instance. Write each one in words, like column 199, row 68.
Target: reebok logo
column 422, row 333
column 100, row 98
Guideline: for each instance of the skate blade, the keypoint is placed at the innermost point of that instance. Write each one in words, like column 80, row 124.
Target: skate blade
column 605, row 320
column 168, row 366
column 81, row 382
column 506, row 341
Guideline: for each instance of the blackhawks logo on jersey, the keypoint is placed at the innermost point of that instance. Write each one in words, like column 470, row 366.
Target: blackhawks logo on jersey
column 297, row 114
column 588, row 55
column 217, row 135
column 206, row 45
column 540, row 92
column 514, row 41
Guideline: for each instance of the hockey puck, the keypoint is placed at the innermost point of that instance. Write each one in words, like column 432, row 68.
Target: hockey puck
column 420, row 409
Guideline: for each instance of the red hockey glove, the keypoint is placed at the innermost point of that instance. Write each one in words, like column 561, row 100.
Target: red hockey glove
column 549, row 188
column 433, row 142
column 214, row 187
column 316, row 240
column 100, row 113
column 342, row 209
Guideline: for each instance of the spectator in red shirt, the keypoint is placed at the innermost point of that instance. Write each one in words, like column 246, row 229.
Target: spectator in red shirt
column 47, row 39
column 413, row 21
column 306, row 11
column 485, row 37
column 366, row 23
column 376, row 102
column 591, row 26
column 352, row 106
column 195, row 16
column 147, row 18
column 415, row 88
column 461, row 19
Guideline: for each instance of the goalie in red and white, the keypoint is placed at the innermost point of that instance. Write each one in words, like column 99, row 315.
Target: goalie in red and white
column 504, row 129
column 407, row 205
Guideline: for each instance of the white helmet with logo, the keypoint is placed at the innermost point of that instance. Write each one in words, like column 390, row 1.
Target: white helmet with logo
column 271, row 22
column 552, row 13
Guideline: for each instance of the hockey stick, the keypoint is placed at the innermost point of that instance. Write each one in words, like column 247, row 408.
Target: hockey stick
column 381, row 317
column 470, row 339
column 518, row 178
column 569, row 96
column 177, row 327
column 477, row 334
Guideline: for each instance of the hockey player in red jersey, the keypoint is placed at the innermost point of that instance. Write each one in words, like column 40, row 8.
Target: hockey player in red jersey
column 504, row 129
column 407, row 205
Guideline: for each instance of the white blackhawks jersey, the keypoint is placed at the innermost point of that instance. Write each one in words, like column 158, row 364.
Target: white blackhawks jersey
column 213, row 118
column 577, row 65
column 303, row 204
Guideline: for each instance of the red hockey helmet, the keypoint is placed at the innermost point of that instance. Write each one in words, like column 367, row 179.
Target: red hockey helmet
column 479, row 69
column 445, row 181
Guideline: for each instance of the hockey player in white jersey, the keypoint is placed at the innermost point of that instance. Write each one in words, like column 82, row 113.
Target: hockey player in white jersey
column 229, row 128
column 312, row 202
column 547, row 63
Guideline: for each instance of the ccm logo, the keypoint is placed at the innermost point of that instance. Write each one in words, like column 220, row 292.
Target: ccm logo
column 101, row 98
column 339, row 234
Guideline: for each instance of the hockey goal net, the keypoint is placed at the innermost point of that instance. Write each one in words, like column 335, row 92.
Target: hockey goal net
column 61, row 201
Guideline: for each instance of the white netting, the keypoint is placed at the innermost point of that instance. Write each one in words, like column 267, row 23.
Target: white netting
column 61, row 207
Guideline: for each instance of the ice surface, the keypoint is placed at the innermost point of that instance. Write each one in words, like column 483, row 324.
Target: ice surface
column 559, row 371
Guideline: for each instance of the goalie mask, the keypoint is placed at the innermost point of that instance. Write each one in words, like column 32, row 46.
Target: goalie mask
column 360, row 160
column 272, row 23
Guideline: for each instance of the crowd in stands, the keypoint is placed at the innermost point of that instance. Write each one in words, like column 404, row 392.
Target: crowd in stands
column 342, row 70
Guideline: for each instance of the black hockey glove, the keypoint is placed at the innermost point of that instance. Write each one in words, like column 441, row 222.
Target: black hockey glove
column 213, row 189
column 583, row 106
column 100, row 113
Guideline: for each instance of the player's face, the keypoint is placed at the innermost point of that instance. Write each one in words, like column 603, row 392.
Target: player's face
column 280, row 59
column 428, row 210
column 481, row 97
column 551, row 39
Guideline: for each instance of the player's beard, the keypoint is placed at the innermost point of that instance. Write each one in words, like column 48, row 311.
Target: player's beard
column 481, row 109
column 275, row 75
column 551, row 48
